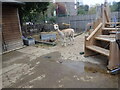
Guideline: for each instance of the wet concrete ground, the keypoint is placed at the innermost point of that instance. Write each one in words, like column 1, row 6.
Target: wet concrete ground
column 43, row 66
column 51, row 71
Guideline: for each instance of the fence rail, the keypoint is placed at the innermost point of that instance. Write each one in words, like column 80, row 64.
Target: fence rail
column 79, row 22
column 76, row 22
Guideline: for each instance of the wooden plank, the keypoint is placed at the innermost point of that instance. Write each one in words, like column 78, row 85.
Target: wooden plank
column 47, row 43
column 118, row 26
column 11, row 28
column 111, row 28
column 112, row 23
column 105, row 39
column 114, row 58
column 107, row 36
column 99, row 50
column 106, row 15
column 93, row 33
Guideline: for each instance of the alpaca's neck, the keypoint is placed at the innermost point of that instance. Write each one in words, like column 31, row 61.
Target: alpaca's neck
column 60, row 32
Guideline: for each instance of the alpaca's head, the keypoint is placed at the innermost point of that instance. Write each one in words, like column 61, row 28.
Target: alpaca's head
column 56, row 27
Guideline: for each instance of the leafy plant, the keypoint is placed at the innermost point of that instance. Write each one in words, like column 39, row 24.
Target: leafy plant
column 32, row 11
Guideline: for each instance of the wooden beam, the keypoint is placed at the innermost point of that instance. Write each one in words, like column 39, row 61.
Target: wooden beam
column 47, row 43
column 111, row 29
column 112, row 22
column 99, row 50
column 105, row 39
column 106, row 15
column 114, row 58
column 93, row 33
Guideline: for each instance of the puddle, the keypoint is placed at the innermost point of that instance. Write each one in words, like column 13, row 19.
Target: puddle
column 94, row 68
column 52, row 57
column 77, row 66
column 85, row 67
column 47, row 57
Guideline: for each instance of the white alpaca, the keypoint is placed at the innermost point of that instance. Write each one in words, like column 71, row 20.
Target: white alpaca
column 65, row 34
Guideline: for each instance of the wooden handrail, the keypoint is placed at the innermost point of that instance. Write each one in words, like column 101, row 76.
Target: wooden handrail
column 93, row 33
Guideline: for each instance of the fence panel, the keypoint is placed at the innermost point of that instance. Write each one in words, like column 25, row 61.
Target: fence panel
column 76, row 22
column 79, row 22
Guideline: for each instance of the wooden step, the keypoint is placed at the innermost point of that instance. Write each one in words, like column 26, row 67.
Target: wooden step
column 112, row 23
column 118, row 26
column 107, row 36
column 107, row 39
column 98, row 50
column 111, row 29
column 113, row 32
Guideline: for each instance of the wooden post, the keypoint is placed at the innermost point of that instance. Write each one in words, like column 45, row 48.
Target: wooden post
column 87, row 51
column 114, row 58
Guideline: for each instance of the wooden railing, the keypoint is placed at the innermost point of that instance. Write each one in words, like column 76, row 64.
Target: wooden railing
column 93, row 33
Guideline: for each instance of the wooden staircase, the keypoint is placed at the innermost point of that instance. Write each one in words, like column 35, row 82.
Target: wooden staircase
column 101, row 41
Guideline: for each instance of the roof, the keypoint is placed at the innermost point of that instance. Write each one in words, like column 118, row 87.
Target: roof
column 11, row 2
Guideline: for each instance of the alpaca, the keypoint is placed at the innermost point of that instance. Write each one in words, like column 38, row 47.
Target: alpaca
column 65, row 34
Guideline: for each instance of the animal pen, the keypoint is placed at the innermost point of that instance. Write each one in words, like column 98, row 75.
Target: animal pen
column 104, row 38
column 43, row 66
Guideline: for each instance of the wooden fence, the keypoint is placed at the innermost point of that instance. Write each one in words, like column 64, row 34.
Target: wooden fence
column 38, row 28
column 79, row 22
column 76, row 22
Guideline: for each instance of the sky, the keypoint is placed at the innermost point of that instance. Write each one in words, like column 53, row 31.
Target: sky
column 93, row 2
column 88, row 2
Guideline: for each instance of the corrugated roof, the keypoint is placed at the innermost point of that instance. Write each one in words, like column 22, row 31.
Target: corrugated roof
column 11, row 1
column 8, row 1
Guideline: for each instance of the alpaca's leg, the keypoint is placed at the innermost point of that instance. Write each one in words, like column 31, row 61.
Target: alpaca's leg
column 63, row 42
column 67, row 40
column 72, row 39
